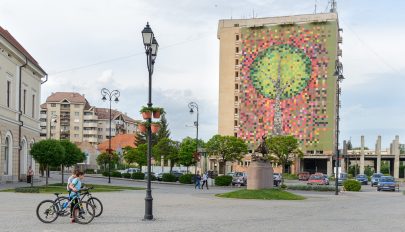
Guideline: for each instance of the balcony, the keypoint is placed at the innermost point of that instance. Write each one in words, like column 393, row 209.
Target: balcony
column 91, row 139
column 90, row 117
column 90, row 124
column 42, row 124
column 90, row 132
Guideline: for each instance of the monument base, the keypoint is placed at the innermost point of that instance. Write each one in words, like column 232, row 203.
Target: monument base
column 260, row 175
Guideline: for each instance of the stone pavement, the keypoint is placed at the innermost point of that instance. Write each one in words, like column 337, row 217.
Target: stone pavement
column 182, row 208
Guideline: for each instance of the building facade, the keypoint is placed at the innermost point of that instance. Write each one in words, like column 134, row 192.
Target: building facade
column 68, row 115
column 20, row 89
column 276, row 77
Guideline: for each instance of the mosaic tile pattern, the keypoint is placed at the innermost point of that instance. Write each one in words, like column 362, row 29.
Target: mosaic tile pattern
column 295, row 64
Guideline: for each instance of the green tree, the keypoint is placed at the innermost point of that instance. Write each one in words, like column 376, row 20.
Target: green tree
column 186, row 152
column 105, row 158
column 129, row 155
column 48, row 152
column 283, row 149
column 228, row 148
column 168, row 149
column 140, row 155
column 73, row 155
column 164, row 131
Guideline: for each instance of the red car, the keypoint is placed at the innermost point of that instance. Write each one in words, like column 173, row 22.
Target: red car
column 303, row 176
column 316, row 179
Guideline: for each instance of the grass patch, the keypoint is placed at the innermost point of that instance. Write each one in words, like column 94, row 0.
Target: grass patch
column 61, row 188
column 262, row 194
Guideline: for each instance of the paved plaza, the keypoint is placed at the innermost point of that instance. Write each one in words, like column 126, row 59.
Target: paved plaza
column 182, row 208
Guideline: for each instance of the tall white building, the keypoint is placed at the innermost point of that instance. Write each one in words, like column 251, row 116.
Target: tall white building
column 20, row 93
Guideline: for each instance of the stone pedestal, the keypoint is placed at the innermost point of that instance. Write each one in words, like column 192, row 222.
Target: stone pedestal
column 259, row 175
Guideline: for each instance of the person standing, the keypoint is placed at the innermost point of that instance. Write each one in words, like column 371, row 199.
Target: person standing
column 197, row 180
column 30, row 175
column 204, row 180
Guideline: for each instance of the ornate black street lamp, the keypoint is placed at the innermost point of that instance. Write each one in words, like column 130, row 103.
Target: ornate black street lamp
column 339, row 78
column 194, row 106
column 151, row 48
column 109, row 95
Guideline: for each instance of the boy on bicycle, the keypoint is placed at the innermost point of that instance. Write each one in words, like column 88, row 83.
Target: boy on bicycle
column 75, row 187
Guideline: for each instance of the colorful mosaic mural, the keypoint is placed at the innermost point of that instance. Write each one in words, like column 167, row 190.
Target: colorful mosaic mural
column 287, row 83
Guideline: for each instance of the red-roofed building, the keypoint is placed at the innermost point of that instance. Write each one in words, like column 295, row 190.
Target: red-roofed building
column 118, row 143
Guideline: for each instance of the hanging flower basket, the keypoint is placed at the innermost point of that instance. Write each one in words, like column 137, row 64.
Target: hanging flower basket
column 146, row 112
column 142, row 127
column 157, row 112
column 155, row 127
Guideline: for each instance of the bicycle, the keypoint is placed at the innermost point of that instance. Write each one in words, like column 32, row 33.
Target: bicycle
column 98, row 206
column 49, row 210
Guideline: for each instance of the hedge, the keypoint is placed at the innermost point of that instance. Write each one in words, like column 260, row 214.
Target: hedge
column 352, row 185
column 126, row 175
column 223, row 180
column 186, row 179
column 319, row 188
column 27, row 190
column 138, row 175
column 105, row 173
column 116, row 174
column 89, row 171
column 167, row 177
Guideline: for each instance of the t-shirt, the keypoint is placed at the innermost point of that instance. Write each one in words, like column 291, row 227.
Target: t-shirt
column 72, row 177
column 77, row 184
column 205, row 177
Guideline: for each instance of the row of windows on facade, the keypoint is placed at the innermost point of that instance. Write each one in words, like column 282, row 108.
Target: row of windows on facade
column 24, row 100
column 65, row 105
column 76, row 128
column 85, row 136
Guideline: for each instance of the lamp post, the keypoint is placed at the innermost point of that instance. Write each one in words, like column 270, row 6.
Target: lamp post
column 109, row 95
column 339, row 78
column 194, row 106
column 151, row 48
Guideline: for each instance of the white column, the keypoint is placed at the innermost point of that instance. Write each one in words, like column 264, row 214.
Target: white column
column 378, row 153
column 362, row 155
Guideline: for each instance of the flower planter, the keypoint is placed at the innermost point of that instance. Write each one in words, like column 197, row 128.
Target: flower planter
column 142, row 127
column 155, row 127
column 156, row 114
column 147, row 114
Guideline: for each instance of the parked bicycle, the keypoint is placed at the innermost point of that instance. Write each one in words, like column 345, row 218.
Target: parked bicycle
column 49, row 210
column 98, row 206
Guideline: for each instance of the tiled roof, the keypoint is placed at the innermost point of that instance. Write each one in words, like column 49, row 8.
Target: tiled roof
column 7, row 36
column 119, row 141
column 43, row 106
column 72, row 97
column 104, row 113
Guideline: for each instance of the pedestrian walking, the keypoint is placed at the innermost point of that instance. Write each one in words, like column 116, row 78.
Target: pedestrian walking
column 205, row 180
column 30, row 174
column 197, row 181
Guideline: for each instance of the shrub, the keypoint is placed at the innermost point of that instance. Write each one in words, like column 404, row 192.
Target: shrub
column 319, row 188
column 138, row 175
column 105, row 173
column 352, row 185
column 167, row 177
column 223, row 180
column 283, row 186
column 116, row 174
column 27, row 190
column 89, row 171
column 186, row 179
column 126, row 175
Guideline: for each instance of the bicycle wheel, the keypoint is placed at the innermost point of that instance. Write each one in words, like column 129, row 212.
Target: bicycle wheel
column 47, row 211
column 83, row 212
column 98, row 206
column 60, row 201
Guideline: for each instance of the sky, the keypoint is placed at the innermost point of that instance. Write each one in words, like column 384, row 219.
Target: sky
column 88, row 45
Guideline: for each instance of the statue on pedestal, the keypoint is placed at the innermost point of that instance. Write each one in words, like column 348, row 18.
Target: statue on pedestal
column 262, row 149
column 260, row 172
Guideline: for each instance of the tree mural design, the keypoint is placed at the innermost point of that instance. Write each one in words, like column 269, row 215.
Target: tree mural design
column 280, row 72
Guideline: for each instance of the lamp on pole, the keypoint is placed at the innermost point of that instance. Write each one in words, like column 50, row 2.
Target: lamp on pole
column 109, row 95
column 151, row 48
column 194, row 106
column 339, row 78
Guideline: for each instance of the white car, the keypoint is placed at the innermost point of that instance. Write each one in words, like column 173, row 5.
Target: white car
column 130, row 170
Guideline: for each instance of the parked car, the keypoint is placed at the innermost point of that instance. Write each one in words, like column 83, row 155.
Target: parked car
column 342, row 178
column 130, row 170
column 177, row 174
column 230, row 173
column 326, row 179
column 363, row 179
column 277, row 179
column 239, row 178
column 386, row 183
column 146, row 175
column 159, row 176
column 304, row 176
column 375, row 178
column 316, row 179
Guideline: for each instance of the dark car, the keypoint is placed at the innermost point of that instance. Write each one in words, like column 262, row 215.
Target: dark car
column 177, row 174
column 375, row 179
column 363, row 179
column 386, row 183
